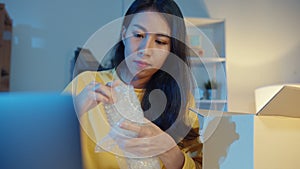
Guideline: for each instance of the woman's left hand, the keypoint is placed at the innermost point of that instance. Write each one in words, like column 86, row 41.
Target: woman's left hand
column 151, row 141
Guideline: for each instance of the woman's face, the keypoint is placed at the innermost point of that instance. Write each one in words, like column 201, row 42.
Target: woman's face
column 147, row 43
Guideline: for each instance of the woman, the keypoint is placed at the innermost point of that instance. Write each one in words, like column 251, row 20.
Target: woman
column 151, row 55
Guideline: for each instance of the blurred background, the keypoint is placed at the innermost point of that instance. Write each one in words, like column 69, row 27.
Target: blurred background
column 262, row 47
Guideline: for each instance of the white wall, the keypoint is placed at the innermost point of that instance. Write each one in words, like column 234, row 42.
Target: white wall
column 263, row 45
column 45, row 35
column 195, row 8
column 263, row 48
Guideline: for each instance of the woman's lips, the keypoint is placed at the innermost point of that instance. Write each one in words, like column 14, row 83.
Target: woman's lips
column 141, row 64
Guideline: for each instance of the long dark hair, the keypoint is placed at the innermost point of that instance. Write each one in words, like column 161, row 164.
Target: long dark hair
column 177, row 91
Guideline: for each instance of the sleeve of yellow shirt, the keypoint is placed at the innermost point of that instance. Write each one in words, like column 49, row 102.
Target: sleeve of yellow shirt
column 192, row 149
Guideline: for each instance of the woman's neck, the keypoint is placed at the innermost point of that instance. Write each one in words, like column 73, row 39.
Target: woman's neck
column 138, row 81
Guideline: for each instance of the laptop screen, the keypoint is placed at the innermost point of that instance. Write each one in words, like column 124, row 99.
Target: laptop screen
column 38, row 130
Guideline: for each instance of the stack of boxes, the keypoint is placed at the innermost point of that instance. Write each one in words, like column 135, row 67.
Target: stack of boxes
column 5, row 48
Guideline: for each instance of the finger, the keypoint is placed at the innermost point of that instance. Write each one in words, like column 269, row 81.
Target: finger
column 146, row 121
column 113, row 83
column 100, row 98
column 97, row 93
column 130, row 126
column 113, row 93
column 104, row 90
column 109, row 84
column 151, row 145
column 140, row 147
column 116, row 83
column 134, row 144
column 149, row 123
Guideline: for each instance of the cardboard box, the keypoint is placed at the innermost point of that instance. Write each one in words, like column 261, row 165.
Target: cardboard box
column 275, row 137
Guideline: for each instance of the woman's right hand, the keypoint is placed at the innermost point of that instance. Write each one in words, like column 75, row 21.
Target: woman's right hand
column 93, row 94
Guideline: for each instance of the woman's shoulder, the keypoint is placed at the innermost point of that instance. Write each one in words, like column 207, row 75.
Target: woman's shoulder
column 86, row 77
column 99, row 76
column 108, row 72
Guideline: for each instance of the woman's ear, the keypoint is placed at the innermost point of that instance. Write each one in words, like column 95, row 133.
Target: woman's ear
column 123, row 34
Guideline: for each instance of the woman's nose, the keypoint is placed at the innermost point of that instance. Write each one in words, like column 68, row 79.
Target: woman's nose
column 145, row 47
column 147, row 43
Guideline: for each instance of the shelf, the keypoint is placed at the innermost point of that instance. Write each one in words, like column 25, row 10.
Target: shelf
column 206, row 39
column 202, row 60
column 212, row 104
column 190, row 21
column 211, row 101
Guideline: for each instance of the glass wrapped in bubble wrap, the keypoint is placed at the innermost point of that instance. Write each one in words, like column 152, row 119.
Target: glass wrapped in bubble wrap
column 126, row 107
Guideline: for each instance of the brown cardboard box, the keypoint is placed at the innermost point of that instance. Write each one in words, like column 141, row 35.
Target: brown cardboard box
column 276, row 137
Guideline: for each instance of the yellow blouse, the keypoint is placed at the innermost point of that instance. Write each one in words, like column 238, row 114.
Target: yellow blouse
column 94, row 127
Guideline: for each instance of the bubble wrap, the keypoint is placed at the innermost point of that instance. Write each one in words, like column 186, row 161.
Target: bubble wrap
column 127, row 107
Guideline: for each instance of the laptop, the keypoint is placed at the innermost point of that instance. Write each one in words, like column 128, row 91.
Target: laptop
column 38, row 131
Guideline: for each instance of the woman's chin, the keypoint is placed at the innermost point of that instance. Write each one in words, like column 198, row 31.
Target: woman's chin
column 145, row 72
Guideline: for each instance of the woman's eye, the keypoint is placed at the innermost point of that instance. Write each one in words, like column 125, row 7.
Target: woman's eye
column 160, row 42
column 138, row 35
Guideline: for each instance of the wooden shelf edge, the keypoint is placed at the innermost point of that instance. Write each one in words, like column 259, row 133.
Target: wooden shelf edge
column 202, row 21
column 211, row 101
column 199, row 60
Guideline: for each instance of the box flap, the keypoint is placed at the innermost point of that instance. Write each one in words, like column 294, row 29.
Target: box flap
column 282, row 100
column 264, row 94
column 214, row 113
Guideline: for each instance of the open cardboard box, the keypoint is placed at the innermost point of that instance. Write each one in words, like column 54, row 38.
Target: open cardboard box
column 275, row 137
